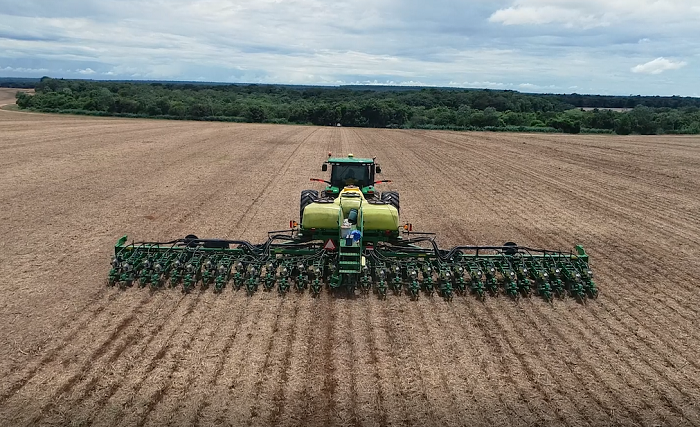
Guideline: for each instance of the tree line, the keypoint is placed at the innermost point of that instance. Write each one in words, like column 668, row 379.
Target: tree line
column 420, row 108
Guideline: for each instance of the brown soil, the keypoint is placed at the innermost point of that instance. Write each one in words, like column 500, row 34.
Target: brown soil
column 73, row 351
column 7, row 95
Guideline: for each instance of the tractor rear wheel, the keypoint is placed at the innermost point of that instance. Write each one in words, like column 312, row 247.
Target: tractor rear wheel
column 307, row 197
column 392, row 198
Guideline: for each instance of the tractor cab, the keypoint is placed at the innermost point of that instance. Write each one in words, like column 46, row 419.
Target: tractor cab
column 347, row 171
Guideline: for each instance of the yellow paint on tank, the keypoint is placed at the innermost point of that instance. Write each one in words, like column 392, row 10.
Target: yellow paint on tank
column 326, row 215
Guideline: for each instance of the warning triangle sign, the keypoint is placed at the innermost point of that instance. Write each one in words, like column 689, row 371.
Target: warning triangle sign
column 329, row 246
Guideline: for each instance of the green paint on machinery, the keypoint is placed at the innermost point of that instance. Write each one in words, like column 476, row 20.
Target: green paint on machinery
column 350, row 238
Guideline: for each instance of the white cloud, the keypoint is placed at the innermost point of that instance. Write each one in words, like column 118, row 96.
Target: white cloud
column 546, row 15
column 493, row 44
column 595, row 13
column 22, row 70
column 658, row 66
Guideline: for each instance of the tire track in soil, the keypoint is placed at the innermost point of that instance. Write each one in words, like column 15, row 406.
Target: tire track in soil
column 643, row 378
column 65, row 342
column 159, row 351
column 521, row 216
column 247, row 322
column 268, row 394
column 613, row 397
column 388, row 405
column 129, row 362
column 455, row 365
column 654, row 351
column 321, row 385
column 490, row 375
column 629, row 384
column 516, row 343
column 561, row 185
column 329, row 382
column 411, row 382
column 573, row 193
column 417, row 169
column 479, row 411
column 111, row 343
column 205, row 404
column 631, row 404
column 212, row 195
column 530, row 370
column 496, row 347
column 173, row 407
column 51, row 356
column 283, row 393
column 290, row 395
column 602, row 198
column 115, row 130
column 276, row 334
column 340, row 357
column 274, row 179
column 165, row 390
column 611, row 166
column 187, row 385
column 194, row 315
column 236, row 407
column 105, row 344
column 679, row 347
column 434, row 369
column 648, row 256
column 670, row 351
column 206, row 201
column 510, row 367
column 310, row 374
column 525, row 364
column 369, row 401
column 392, row 403
column 669, row 382
column 192, row 397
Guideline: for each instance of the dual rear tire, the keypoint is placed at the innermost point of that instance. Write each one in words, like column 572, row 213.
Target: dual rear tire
column 307, row 197
column 391, row 198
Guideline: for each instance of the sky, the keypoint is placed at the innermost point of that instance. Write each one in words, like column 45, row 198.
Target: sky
column 615, row 47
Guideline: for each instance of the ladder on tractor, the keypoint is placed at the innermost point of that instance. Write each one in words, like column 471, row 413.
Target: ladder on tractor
column 350, row 255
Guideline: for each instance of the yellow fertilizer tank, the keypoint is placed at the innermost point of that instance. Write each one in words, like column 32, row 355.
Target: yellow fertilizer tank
column 350, row 204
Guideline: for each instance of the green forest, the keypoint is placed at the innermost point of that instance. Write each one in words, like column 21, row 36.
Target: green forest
column 364, row 106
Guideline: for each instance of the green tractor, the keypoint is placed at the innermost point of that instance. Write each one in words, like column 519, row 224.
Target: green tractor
column 349, row 238
column 349, row 171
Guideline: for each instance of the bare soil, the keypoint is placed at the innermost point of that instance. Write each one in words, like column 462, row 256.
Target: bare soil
column 7, row 95
column 75, row 352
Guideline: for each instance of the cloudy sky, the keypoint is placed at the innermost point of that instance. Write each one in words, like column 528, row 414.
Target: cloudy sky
column 649, row 47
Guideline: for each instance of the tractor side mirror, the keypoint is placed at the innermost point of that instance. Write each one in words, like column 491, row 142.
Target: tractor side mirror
column 378, row 169
column 324, row 167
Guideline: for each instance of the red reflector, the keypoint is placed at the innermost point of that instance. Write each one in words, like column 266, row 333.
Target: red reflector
column 388, row 232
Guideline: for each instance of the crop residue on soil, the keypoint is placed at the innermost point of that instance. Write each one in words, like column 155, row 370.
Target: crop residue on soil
column 74, row 351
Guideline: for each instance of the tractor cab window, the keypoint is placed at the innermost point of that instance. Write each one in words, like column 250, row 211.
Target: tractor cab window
column 353, row 174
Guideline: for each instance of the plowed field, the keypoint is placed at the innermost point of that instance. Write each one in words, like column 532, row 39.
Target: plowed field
column 73, row 351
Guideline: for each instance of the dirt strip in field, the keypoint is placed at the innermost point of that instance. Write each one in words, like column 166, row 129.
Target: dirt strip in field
column 73, row 351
